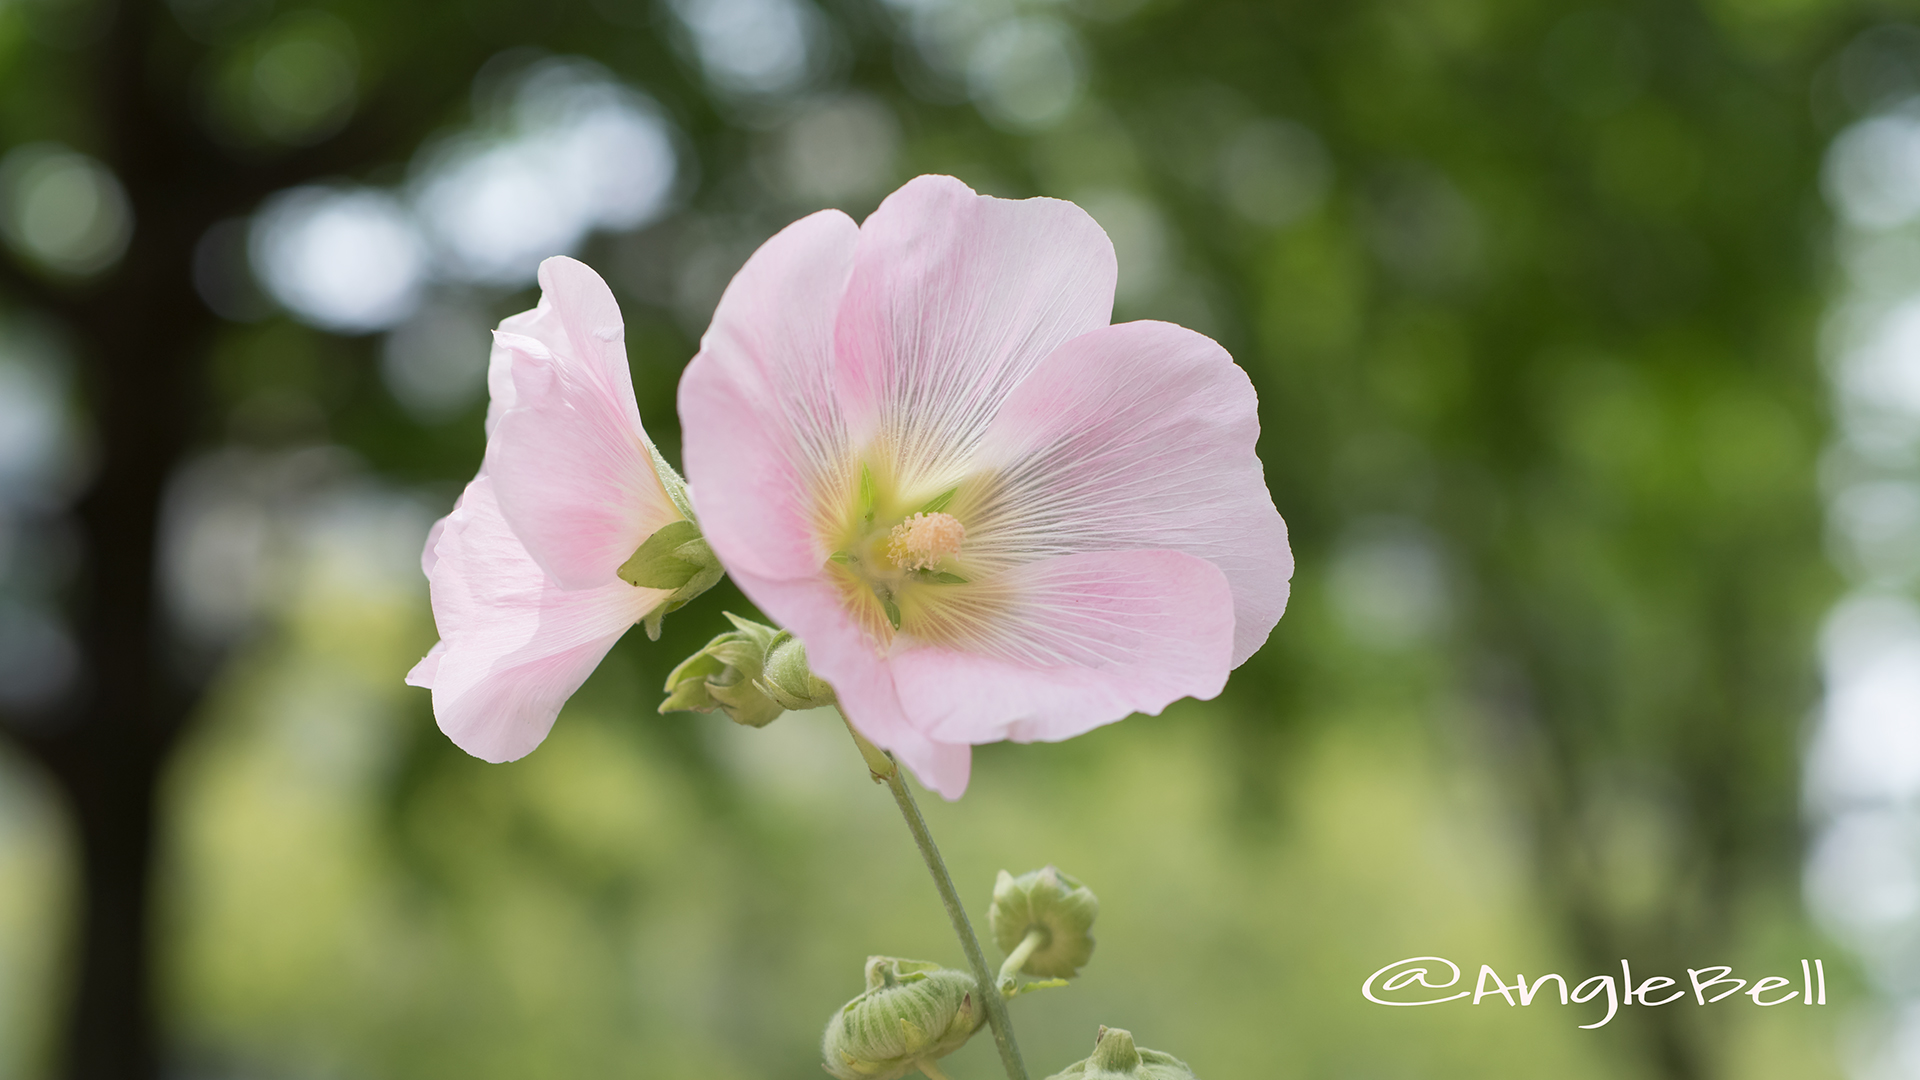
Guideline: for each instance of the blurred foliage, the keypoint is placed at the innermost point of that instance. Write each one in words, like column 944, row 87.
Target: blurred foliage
column 1529, row 291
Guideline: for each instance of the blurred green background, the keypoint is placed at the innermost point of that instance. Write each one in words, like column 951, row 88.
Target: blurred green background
column 1590, row 390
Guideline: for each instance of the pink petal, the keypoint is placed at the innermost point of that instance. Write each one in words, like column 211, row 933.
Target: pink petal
column 954, row 297
column 578, row 318
column 1140, row 436
column 430, row 553
column 570, row 461
column 841, row 653
column 573, row 283
column 762, row 432
column 941, row 767
column 1097, row 638
column 423, row 672
column 500, row 395
column 513, row 644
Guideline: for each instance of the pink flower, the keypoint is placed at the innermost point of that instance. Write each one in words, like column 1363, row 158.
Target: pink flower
column 919, row 445
column 526, row 572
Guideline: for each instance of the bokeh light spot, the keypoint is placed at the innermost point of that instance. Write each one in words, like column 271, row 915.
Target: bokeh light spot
column 752, row 47
column 344, row 259
column 1275, row 172
column 435, row 363
column 303, row 79
column 63, row 209
column 1026, row 74
column 839, row 148
column 576, row 152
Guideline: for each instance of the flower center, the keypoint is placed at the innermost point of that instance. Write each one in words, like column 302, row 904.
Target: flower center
column 897, row 555
column 921, row 541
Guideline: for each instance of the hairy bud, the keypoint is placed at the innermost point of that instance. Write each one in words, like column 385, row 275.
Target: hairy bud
column 912, row 1012
column 788, row 680
column 1043, row 921
column 1115, row 1057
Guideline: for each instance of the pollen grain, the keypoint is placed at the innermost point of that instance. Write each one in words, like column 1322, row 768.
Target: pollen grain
column 921, row 541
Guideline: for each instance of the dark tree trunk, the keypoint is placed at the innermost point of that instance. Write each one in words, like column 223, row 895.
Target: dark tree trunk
column 110, row 1032
column 140, row 338
column 141, row 335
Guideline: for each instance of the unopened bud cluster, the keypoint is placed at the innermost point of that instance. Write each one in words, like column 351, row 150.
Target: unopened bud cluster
column 752, row 673
column 911, row 1012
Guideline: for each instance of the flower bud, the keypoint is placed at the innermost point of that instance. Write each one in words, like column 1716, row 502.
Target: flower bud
column 788, row 680
column 912, row 1012
column 722, row 676
column 753, row 674
column 1115, row 1057
column 1047, row 914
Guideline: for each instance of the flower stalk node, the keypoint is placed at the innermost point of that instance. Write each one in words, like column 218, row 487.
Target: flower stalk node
column 880, row 764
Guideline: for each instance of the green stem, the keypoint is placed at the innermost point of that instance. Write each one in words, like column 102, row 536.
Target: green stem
column 933, row 1071
column 886, row 770
column 1017, row 959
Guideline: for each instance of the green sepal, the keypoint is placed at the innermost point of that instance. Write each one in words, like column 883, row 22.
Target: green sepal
column 722, row 676
column 1115, row 1057
column 687, row 684
column 893, row 970
column 942, row 577
column 868, row 495
column 676, row 557
column 741, row 652
column 892, row 609
column 1027, row 988
column 670, row 481
column 660, row 562
column 746, row 704
column 651, row 620
column 756, row 631
column 939, row 502
column 689, row 696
